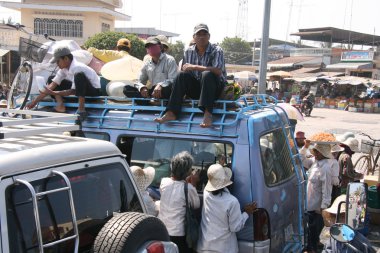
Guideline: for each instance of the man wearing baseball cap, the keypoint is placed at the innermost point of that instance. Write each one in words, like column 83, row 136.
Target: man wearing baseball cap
column 160, row 70
column 73, row 78
column 202, row 76
column 123, row 47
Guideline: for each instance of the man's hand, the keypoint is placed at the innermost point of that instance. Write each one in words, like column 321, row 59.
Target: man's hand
column 193, row 178
column 188, row 67
column 250, row 208
column 157, row 91
column 31, row 105
column 144, row 92
column 49, row 91
column 307, row 143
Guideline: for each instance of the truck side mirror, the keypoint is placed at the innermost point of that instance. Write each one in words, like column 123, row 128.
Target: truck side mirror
column 356, row 205
column 342, row 232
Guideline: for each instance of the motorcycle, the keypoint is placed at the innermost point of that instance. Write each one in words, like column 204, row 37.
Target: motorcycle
column 349, row 237
column 306, row 107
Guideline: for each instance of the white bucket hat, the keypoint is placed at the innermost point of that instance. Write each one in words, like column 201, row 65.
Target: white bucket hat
column 324, row 149
column 336, row 148
column 218, row 177
column 343, row 137
column 334, row 207
column 143, row 177
column 352, row 143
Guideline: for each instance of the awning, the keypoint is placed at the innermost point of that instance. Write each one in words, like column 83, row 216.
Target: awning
column 288, row 62
column 352, row 80
column 351, row 65
column 3, row 52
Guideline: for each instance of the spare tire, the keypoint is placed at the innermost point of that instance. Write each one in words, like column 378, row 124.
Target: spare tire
column 127, row 232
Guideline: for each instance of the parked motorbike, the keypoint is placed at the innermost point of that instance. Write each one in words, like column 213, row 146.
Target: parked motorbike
column 306, row 107
column 348, row 237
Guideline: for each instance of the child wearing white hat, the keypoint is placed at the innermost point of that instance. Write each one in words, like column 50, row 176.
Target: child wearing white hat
column 221, row 214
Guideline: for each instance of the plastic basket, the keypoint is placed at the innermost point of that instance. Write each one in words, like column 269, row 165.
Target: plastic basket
column 32, row 50
column 366, row 147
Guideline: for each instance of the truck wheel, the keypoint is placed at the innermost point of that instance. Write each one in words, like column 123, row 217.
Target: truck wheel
column 127, row 232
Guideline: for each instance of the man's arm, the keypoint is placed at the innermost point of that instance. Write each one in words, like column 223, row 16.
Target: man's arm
column 191, row 67
column 41, row 96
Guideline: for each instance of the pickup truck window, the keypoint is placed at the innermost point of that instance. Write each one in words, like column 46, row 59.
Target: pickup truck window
column 98, row 192
column 275, row 158
column 157, row 152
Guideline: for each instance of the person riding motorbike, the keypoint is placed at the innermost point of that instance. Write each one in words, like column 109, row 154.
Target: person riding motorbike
column 308, row 103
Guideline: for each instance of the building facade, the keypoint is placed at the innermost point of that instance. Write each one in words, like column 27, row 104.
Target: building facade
column 69, row 19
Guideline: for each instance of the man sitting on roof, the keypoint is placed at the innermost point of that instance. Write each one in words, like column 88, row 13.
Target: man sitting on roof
column 73, row 78
column 203, row 77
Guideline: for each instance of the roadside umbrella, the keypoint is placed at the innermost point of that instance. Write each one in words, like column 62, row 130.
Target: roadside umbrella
column 248, row 75
column 280, row 73
column 291, row 111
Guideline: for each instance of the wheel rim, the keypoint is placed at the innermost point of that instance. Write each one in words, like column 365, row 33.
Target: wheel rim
column 20, row 89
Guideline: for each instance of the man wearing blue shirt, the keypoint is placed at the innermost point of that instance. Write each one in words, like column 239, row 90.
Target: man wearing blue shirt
column 202, row 77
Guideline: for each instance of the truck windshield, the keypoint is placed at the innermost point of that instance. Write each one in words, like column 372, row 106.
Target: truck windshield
column 98, row 192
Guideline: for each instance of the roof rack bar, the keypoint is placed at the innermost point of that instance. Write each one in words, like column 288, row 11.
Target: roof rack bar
column 14, row 132
column 41, row 123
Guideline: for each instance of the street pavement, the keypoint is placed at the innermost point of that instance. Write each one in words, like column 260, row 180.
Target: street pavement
column 339, row 122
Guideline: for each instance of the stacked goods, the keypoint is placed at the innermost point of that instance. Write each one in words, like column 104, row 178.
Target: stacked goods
column 323, row 137
column 342, row 104
column 368, row 106
column 332, row 103
column 376, row 105
column 359, row 105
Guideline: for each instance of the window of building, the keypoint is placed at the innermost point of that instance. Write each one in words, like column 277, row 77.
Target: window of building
column 106, row 27
column 59, row 27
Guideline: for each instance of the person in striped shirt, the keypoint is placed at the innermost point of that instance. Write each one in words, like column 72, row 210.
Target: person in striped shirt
column 202, row 76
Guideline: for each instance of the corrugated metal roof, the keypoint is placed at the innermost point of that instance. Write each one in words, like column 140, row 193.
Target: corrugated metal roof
column 336, row 35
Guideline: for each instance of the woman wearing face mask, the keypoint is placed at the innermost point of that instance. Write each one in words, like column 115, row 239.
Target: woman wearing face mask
column 156, row 76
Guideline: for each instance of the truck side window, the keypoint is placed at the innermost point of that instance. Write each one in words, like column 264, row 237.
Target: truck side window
column 275, row 158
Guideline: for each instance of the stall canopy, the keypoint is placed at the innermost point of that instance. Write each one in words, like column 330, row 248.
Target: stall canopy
column 290, row 62
column 336, row 35
column 351, row 65
column 280, row 73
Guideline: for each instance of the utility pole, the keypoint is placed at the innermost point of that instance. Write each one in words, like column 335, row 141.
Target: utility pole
column 264, row 49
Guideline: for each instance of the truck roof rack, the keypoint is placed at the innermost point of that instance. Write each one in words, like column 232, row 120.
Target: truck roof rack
column 41, row 123
column 227, row 113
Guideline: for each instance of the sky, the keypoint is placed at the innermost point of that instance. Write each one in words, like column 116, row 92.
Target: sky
column 221, row 16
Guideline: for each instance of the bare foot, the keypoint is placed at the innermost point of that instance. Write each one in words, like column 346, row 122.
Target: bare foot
column 168, row 116
column 207, row 120
column 60, row 108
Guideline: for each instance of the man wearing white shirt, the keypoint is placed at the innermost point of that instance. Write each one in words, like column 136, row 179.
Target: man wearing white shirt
column 73, row 78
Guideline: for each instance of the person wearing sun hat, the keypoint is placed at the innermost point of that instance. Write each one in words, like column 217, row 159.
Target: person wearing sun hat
column 335, row 177
column 346, row 167
column 221, row 213
column 123, row 46
column 143, row 178
column 319, row 188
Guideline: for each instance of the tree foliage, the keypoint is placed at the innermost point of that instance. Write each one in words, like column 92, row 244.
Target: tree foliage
column 176, row 50
column 236, row 50
column 108, row 40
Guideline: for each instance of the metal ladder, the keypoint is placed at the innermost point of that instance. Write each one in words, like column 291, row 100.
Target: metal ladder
column 35, row 196
column 38, row 123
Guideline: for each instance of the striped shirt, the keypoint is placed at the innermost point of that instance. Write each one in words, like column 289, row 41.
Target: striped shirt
column 213, row 57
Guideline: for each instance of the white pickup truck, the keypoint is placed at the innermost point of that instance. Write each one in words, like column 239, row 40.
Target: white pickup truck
column 69, row 194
